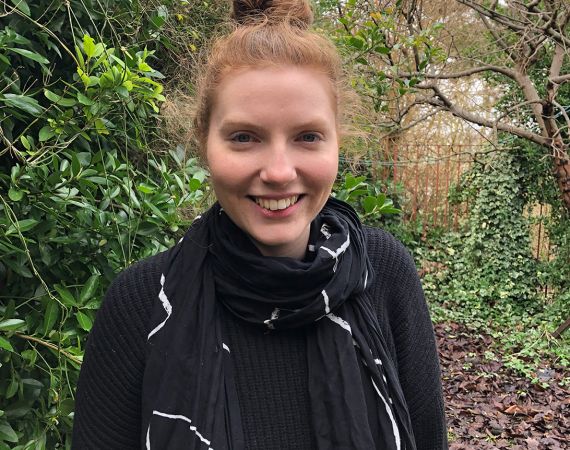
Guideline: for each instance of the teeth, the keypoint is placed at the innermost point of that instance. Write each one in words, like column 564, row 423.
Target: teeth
column 275, row 205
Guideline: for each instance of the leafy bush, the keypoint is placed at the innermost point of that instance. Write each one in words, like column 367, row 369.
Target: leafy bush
column 494, row 262
column 486, row 276
column 367, row 199
column 81, row 193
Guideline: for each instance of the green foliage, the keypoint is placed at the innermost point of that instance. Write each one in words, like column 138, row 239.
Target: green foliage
column 81, row 193
column 486, row 276
column 494, row 262
column 376, row 43
column 367, row 199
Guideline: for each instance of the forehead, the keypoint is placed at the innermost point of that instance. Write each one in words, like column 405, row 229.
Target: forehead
column 262, row 92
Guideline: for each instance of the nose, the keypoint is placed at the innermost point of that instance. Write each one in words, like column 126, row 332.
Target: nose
column 278, row 167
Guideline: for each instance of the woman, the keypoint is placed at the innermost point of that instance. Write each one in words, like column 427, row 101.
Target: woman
column 278, row 321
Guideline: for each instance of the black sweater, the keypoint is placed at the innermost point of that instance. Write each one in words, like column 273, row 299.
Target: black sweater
column 270, row 368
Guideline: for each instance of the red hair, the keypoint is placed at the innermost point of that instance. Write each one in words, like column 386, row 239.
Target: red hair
column 265, row 33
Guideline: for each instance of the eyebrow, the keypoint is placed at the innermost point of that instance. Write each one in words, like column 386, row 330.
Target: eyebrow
column 312, row 124
column 228, row 125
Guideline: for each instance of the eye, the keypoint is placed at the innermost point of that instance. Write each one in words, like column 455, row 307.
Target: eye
column 242, row 138
column 310, row 137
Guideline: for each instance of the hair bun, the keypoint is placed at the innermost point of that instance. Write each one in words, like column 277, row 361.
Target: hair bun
column 297, row 12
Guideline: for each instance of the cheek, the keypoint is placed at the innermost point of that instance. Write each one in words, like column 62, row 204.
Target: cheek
column 228, row 174
column 325, row 172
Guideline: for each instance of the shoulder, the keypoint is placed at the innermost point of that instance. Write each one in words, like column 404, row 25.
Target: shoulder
column 142, row 274
column 133, row 292
column 395, row 291
column 110, row 382
column 389, row 257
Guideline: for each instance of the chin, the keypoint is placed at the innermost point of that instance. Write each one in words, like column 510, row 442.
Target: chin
column 278, row 245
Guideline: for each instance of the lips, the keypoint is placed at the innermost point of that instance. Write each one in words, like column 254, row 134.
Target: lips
column 276, row 204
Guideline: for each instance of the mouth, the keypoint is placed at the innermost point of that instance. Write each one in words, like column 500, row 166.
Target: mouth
column 276, row 204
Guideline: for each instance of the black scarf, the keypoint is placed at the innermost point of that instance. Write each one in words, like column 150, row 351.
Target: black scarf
column 189, row 398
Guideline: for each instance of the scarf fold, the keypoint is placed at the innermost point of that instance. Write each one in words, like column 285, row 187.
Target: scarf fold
column 189, row 395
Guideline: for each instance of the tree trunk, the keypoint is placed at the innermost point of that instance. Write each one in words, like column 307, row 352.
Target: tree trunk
column 562, row 174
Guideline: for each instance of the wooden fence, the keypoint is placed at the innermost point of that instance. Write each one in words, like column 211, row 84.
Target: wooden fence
column 422, row 176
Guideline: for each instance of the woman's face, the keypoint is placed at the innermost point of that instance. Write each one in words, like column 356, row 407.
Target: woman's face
column 272, row 150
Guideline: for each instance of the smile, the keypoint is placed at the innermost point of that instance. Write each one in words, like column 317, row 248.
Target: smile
column 275, row 205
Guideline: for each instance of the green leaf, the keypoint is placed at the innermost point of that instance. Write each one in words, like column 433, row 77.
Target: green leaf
column 22, row 226
column 22, row 6
column 25, row 142
column 351, row 182
column 65, row 296
column 23, row 102
column 388, row 209
column 144, row 67
column 12, row 388
column 80, row 60
column 356, row 42
column 156, row 211
column 157, row 21
column 58, row 99
column 15, row 194
column 84, row 321
column 145, row 188
column 84, row 77
column 101, row 127
column 5, row 344
column 18, row 409
column 89, row 288
column 88, row 46
column 46, row 133
column 382, row 199
column 100, row 48
column 122, row 91
column 29, row 54
column 75, row 164
column 195, row 184
column 66, row 407
column 84, row 100
column 50, row 316
column 12, row 324
column 382, row 50
column 369, row 203
column 7, row 433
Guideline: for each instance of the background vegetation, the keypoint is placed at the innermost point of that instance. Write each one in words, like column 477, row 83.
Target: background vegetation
column 96, row 172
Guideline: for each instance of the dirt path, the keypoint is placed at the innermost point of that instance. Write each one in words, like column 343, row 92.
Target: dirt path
column 490, row 407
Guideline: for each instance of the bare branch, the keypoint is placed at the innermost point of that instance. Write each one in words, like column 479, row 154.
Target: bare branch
column 515, row 107
column 498, row 39
column 411, row 106
column 516, row 24
column 419, row 120
column 464, row 73
column 513, row 24
column 341, row 15
column 561, row 79
column 563, row 112
column 442, row 101
column 531, row 95
column 554, row 73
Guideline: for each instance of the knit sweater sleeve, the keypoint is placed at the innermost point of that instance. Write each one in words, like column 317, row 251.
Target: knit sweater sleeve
column 108, row 399
column 403, row 314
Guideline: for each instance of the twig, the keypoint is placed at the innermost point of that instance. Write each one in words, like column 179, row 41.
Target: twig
column 49, row 345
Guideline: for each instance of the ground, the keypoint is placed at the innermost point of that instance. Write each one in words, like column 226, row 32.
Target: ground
column 489, row 406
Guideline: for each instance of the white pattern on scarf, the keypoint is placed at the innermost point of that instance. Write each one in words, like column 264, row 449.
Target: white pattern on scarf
column 391, row 416
column 165, row 304
column 338, row 252
column 343, row 323
column 326, row 297
column 176, row 417
column 274, row 316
